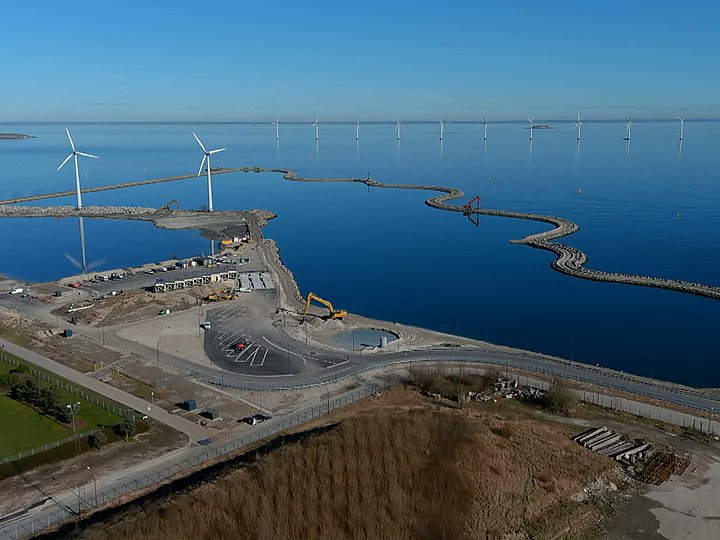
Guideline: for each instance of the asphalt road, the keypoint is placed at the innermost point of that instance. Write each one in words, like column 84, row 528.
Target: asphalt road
column 193, row 431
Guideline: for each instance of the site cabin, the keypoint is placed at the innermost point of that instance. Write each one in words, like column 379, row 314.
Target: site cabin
column 189, row 404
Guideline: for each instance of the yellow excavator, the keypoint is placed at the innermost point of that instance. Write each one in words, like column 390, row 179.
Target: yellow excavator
column 334, row 313
column 168, row 207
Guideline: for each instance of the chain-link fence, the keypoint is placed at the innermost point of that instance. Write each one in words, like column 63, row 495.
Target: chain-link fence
column 49, row 446
column 63, row 385
column 90, row 496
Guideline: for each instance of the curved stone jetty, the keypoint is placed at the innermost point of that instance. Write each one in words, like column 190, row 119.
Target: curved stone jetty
column 570, row 260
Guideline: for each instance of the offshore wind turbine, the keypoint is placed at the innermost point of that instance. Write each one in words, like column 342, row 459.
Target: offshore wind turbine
column 357, row 131
column 682, row 127
column 442, row 129
column 485, row 130
column 74, row 154
column 317, row 130
column 397, row 127
column 628, row 128
column 531, row 120
column 578, row 126
column 206, row 156
column 276, row 123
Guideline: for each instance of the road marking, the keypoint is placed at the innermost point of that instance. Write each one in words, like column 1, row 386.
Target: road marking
column 286, row 350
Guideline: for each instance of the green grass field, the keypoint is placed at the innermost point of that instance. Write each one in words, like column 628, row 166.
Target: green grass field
column 24, row 428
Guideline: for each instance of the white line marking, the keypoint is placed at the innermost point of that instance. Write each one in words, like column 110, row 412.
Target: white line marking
column 286, row 350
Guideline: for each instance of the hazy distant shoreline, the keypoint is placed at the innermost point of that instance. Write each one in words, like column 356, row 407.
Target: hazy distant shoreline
column 15, row 136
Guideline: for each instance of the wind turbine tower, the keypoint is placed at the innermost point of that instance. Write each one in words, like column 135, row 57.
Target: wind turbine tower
column 276, row 123
column 628, row 129
column 442, row 129
column 397, row 127
column 357, row 131
column 74, row 154
column 206, row 156
column 682, row 127
column 531, row 120
column 485, row 130
column 317, row 125
column 578, row 126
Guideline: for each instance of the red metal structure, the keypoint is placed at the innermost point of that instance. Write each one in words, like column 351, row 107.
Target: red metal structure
column 468, row 208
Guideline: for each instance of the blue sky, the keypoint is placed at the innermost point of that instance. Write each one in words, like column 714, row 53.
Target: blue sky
column 177, row 60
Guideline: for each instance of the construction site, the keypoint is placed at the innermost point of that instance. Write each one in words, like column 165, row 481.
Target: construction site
column 219, row 347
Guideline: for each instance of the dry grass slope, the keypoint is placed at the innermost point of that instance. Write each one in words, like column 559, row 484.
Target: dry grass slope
column 393, row 472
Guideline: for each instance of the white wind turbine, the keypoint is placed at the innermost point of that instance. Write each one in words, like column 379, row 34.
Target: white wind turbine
column 74, row 154
column 628, row 128
column 485, row 130
column 317, row 124
column 206, row 156
column 442, row 129
column 276, row 123
column 397, row 127
column 357, row 131
column 578, row 126
column 531, row 120
column 682, row 127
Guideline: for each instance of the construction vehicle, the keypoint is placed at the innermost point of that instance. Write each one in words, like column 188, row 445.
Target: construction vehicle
column 166, row 208
column 334, row 313
column 227, row 294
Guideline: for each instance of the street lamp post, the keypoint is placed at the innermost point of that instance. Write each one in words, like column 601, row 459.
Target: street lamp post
column 152, row 397
column 74, row 409
column 94, row 484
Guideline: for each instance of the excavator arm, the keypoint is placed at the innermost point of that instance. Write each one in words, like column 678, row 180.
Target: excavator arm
column 334, row 313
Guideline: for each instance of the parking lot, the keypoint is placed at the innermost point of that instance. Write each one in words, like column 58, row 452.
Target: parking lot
column 239, row 342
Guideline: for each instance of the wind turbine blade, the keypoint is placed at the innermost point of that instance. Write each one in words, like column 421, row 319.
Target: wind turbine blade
column 199, row 142
column 73, row 260
column 72, row 144
column 202, row 164
column 211, row 152
column 64, row 162
column 87, row 155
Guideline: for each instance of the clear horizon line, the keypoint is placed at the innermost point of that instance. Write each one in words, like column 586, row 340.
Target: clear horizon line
column 390, row 122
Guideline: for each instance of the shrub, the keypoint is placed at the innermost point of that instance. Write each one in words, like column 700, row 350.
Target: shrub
column 98, row 440
column 127, row 427
column 559, row 399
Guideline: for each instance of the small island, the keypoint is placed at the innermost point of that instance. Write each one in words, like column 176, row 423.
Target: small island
column 15, row 136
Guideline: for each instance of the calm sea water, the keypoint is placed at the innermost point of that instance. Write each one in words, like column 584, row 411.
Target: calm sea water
column 383, row 253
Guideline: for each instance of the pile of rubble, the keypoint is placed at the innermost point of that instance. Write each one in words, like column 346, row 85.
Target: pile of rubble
column 506, row 389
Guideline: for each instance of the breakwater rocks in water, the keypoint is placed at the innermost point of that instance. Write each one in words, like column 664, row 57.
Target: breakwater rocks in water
column 570, row 261
column 71, row 211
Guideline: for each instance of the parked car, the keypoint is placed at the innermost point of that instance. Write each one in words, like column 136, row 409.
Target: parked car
column 239, row 346
column 256, row 419
column 206, row 325
column 18, row 290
